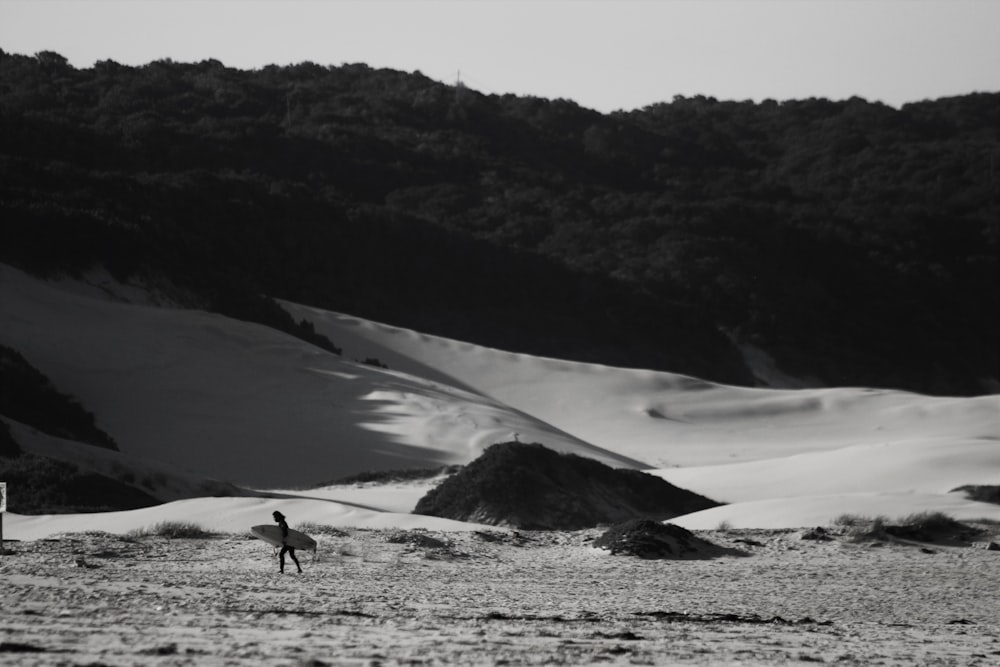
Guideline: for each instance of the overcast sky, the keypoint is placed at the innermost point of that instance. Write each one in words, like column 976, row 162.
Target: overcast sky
column 603, row 54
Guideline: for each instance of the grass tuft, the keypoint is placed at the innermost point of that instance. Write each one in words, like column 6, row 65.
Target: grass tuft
column 311, row 528
column 930, row 522
column 173, row 530
column 860, row 527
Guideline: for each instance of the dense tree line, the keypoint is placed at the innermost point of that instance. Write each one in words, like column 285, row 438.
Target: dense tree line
column 855, row 242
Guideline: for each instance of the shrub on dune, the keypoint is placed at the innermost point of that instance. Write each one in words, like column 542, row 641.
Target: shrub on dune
column 918, row 527
column 173, row 530
column 312, row 528
column 859, row 527
column 644, row 538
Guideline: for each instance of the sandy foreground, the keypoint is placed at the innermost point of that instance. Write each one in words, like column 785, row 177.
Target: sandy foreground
column 390, row 597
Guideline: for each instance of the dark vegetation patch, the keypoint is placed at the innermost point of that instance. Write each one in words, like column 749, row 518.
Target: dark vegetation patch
column 532, row 487
column 173, row 530
column 28, row 396
column 40, row 485
column 925, row 527
column 931, row 527
column 649, row 539
column 984, row 493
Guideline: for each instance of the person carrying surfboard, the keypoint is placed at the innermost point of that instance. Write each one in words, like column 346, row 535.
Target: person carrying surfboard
column 283, row 525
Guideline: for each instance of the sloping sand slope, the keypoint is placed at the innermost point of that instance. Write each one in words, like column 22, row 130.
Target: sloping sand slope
column 666, row 419
column 245, row 403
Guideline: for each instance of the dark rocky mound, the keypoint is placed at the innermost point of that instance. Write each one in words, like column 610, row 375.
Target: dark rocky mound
column 645, row 538
column 534, row 488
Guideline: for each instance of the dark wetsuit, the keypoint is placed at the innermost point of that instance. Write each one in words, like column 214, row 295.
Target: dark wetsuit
column 285, row 548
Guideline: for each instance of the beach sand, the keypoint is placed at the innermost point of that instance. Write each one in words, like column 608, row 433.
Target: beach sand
column 393, row 597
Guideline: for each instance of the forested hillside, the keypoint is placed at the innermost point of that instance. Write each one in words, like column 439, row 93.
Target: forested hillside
column 856, row 243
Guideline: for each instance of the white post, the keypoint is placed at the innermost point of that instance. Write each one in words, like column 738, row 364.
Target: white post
column 3, row 508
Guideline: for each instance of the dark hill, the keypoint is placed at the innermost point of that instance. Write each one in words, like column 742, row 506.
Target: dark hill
column 532, row 487
column 28, row 396
column 854, row 242
column 42, row 485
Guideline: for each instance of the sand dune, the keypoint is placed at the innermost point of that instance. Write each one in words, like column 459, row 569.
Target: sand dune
column 242, row 402
column 922, row 466
column 202, row 395
column 822, row 510
column 665, row 419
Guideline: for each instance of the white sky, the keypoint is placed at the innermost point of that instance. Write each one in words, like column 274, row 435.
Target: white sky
column 604, row 54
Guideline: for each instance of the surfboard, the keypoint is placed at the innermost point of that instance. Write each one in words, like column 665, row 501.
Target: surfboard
column 272, row 535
